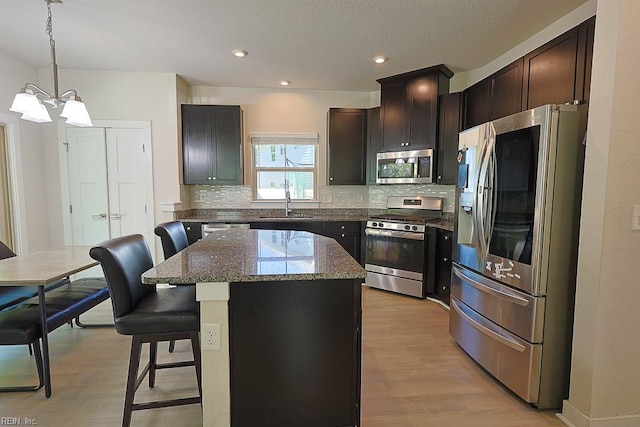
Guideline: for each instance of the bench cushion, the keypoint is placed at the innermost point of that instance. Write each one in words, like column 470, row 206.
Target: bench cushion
column 12, row 295
column 74, row 299
column 21, row 323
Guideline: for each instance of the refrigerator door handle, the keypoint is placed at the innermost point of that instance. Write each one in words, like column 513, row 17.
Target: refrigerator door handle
column 477, row 214
column 491, row 334
column 482, row 287
column 481, row 207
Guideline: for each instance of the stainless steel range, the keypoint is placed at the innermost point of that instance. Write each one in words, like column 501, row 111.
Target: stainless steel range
column 397, row 244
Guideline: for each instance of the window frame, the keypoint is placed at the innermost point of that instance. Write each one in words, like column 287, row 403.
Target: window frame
column 257, row 139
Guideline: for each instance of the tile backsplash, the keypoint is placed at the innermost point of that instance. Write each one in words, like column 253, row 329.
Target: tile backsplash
column 335, row 196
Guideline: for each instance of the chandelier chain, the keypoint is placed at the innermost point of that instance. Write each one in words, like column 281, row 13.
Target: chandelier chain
column 52, row 42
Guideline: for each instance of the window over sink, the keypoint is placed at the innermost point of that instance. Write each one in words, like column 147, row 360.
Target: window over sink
column 284, row 158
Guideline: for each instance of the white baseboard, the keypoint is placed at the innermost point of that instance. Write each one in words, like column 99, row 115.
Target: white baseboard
column 573, row 417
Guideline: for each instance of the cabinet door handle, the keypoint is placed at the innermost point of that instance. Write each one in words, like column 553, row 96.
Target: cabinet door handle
column 342, row 235
column 331, row 179
column 446, row 237
column 445, row 259
column 342, row 227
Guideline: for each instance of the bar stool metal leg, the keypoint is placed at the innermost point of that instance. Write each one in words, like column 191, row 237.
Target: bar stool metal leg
column 132, row 383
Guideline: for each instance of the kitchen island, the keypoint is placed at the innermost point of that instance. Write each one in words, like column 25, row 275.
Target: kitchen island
column 287, row 305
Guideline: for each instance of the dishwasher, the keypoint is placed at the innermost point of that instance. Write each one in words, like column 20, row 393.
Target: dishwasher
column 208, row 228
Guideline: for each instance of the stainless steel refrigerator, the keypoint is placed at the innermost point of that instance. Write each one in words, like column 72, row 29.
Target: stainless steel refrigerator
column 515, row 248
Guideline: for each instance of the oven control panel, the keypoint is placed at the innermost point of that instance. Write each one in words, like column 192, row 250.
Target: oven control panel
column 416, row 228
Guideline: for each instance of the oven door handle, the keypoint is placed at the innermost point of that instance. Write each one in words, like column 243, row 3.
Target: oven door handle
column 397, row 234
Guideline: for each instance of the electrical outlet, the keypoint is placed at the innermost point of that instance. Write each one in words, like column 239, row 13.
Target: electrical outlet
column 360, row 198
column 328, row 198
column 210, row 336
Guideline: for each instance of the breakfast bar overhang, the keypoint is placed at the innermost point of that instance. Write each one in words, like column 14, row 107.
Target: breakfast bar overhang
column 287, row 305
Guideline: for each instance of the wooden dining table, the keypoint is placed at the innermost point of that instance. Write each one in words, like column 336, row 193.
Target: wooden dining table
column 40, row 269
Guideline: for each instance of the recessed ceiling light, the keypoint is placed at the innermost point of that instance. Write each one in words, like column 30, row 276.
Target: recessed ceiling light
column 380, row 59
column 285, row 83
column 240, row 53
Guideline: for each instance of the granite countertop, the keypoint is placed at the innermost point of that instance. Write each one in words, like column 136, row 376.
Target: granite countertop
column 256, row 256
column 273, row 215
column 243, row 216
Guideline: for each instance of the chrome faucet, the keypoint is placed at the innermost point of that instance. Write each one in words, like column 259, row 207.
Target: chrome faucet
column 287, row 198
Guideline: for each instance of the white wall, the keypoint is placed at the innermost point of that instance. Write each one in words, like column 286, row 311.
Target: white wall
column 27, row 141
column 605, row 374
column 111, row 95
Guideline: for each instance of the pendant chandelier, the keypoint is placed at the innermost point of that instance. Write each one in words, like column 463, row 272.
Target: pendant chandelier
column 29, row 101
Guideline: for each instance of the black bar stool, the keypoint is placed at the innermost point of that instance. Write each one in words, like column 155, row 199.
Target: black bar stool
column 148, row 314
column 174, row 239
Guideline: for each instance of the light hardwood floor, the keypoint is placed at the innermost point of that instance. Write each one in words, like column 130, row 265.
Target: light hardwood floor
column 413, row 374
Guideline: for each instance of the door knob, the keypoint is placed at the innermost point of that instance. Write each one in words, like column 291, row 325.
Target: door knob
column 99, row 216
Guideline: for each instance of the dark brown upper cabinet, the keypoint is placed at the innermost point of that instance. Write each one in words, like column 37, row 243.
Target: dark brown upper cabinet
column 477, row 103
column 496, row 96
column 550, row 72
column 449, row 127
column 212, row 144
column 347, row 146
column 506, row 90
column 409, row 108
column 555, row 73
column 374, row 139
column 586, row 32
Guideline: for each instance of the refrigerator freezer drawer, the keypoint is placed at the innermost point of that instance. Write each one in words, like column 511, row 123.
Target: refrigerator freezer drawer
column 513, row 361
column 518, row 312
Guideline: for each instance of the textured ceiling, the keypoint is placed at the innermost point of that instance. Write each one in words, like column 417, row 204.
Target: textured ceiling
column 316, row 44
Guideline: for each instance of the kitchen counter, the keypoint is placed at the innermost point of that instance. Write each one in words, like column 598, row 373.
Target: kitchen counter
column 270, row 215
column 257, row 255
column 245, row 216
column 280, row 315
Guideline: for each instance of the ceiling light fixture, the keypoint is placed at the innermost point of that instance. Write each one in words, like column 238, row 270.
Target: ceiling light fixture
column 380, row 59
column 240, row 53
column 29, row 100
column 285, row 83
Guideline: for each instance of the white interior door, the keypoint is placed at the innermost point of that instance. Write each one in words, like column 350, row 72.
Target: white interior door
column 127, row 159
column 109, row 181
column 88, row 193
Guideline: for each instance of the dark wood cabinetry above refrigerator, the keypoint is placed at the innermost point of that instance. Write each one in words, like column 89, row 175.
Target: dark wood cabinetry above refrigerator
column 555, row 73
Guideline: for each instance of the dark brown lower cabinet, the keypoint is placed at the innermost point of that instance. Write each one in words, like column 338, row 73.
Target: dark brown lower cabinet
column 347, row 233
column 295, row 353
column 443, row 264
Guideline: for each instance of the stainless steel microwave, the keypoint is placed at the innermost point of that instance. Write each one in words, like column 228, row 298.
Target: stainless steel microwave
column 405, row 167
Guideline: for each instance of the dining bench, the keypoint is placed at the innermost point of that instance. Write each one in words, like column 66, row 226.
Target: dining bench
column 65, row 301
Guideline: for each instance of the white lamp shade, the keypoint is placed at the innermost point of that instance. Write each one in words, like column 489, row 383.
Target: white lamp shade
column 25, row 103
column 39, row 115
column 76, row 113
